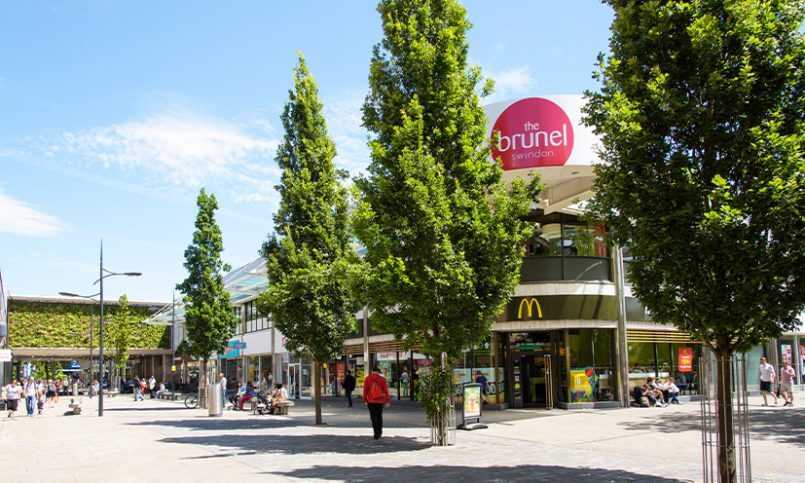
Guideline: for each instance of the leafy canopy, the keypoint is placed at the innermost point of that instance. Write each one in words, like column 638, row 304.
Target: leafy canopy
column 442, row 231
column 209, row 317
column 701, row 121
column 121, row 331
column 309, row 258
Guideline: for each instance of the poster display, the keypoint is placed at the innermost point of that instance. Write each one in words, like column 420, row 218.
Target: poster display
column 472, row 401
column 685, row 359
column 787, row 353
column 582, row 382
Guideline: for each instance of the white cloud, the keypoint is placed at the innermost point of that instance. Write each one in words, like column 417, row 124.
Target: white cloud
column 344, row 123
column 20, row 219
column 512, row 81
column 180, row 150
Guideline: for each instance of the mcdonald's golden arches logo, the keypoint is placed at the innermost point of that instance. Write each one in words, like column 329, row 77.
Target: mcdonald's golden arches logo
column 529, row 303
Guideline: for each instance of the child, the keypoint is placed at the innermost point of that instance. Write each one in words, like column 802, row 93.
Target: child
column 41, row 403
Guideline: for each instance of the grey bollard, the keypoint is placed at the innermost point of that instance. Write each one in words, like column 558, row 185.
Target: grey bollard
column 215, row 403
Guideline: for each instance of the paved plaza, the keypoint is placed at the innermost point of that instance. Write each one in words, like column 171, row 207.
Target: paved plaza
column 162, row 441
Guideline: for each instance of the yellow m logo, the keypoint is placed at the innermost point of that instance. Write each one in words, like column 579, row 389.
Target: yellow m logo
column 530, row 304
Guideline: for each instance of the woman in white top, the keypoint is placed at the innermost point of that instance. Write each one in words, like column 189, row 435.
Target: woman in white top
column 13, row 393
column 30, row 396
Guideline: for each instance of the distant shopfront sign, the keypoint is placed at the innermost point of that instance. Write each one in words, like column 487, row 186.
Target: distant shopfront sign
column 685, row 359
column 5, row 355
column 539, row 132
column 233, row 349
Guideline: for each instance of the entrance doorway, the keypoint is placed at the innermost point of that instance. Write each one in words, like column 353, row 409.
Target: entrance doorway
column 534, row 379
column 532, row 373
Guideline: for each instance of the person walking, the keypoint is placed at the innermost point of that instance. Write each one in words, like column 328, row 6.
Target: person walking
column 766, row 380
column 152, row 385
column 30, row 396
column 405, row 382
column 481, row 379
column 50, row 392
column 787, row 376
column 375, row 394
column 13, row 394
column 138, row 388
column 349, row 386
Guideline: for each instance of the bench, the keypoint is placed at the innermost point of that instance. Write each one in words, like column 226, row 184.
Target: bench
column 282, row 407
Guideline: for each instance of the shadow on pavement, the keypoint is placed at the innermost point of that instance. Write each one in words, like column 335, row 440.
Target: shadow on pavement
column 306, row 444
column 205, row 423
column 523, row 473
column 151, row 408
column 784, row 425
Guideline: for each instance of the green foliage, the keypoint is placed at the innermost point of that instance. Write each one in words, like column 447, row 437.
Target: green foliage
column 39, row 324
column 701, row 120
column 309, row 259
column 47, row 370
column 209, row 318
column 443, row 233
column 437, row 389
column 119, row 331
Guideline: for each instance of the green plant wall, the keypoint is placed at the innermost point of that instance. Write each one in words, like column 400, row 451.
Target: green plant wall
column 36, row 324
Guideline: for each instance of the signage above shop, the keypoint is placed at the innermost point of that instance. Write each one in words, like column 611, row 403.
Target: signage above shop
column 540, row 132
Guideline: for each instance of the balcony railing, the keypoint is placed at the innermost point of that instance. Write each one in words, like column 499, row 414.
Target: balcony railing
column 551, row 269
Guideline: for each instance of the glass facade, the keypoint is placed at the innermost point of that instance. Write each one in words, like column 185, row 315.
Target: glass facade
column 665, row 361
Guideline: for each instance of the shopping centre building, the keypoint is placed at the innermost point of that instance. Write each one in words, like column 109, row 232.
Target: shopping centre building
column 572, row 336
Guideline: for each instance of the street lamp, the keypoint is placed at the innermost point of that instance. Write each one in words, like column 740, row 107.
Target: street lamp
column 103, row 274
column 88, row 297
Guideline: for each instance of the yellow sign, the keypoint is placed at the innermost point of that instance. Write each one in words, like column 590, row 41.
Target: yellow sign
column 173, row 368
column 530, row 303
column 582, row 382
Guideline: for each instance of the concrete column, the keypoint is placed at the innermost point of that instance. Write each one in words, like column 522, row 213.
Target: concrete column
column 621, row 347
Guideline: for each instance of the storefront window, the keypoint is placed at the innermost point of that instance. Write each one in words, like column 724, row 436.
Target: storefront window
column 591, row 367
column 665, row 361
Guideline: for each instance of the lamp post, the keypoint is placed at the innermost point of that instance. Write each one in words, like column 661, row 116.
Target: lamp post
column 103, row 274
column 88, row 297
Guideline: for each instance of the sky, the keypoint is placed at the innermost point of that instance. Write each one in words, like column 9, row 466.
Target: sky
column 113, row 115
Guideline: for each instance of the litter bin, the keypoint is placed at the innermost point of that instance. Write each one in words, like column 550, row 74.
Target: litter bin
column 215, row 403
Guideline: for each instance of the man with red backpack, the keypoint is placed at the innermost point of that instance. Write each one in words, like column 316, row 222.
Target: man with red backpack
column 375, row 394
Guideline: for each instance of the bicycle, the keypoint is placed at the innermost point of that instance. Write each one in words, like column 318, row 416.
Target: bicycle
column 191, row 401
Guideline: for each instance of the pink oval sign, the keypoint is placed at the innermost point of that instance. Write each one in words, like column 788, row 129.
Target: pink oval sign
column 533, row 132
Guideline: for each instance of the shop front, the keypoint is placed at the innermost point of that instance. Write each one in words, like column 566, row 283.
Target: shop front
column 560, row 350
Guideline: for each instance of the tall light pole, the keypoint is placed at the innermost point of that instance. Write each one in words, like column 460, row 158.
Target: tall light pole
column 88, row 297
column 173, row 347
column 104, row 273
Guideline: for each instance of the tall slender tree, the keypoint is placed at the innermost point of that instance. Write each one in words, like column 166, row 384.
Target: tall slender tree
column 443, row 232
column 119, row 335
column 209, row 317
column 701, row 122
column 309, row 258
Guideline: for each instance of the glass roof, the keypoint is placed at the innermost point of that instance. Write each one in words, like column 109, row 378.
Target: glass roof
column 242, row 283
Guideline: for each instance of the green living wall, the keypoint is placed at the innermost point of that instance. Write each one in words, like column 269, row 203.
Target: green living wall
column 37, row 324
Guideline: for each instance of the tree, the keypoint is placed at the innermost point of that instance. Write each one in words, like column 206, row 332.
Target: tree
column 209, row 317
column 443, row 233
column 309, row 258
column 701, row 123
column 119, row 334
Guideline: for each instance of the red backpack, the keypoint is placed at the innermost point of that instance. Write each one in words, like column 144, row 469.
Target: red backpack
column 375, row 391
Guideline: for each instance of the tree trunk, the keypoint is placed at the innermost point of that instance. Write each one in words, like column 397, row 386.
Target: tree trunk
column 441, row 422
column 726, row 418
column 317, row 390
column 202, row 384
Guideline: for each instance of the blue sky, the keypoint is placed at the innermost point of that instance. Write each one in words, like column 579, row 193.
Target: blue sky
column 115, row 114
